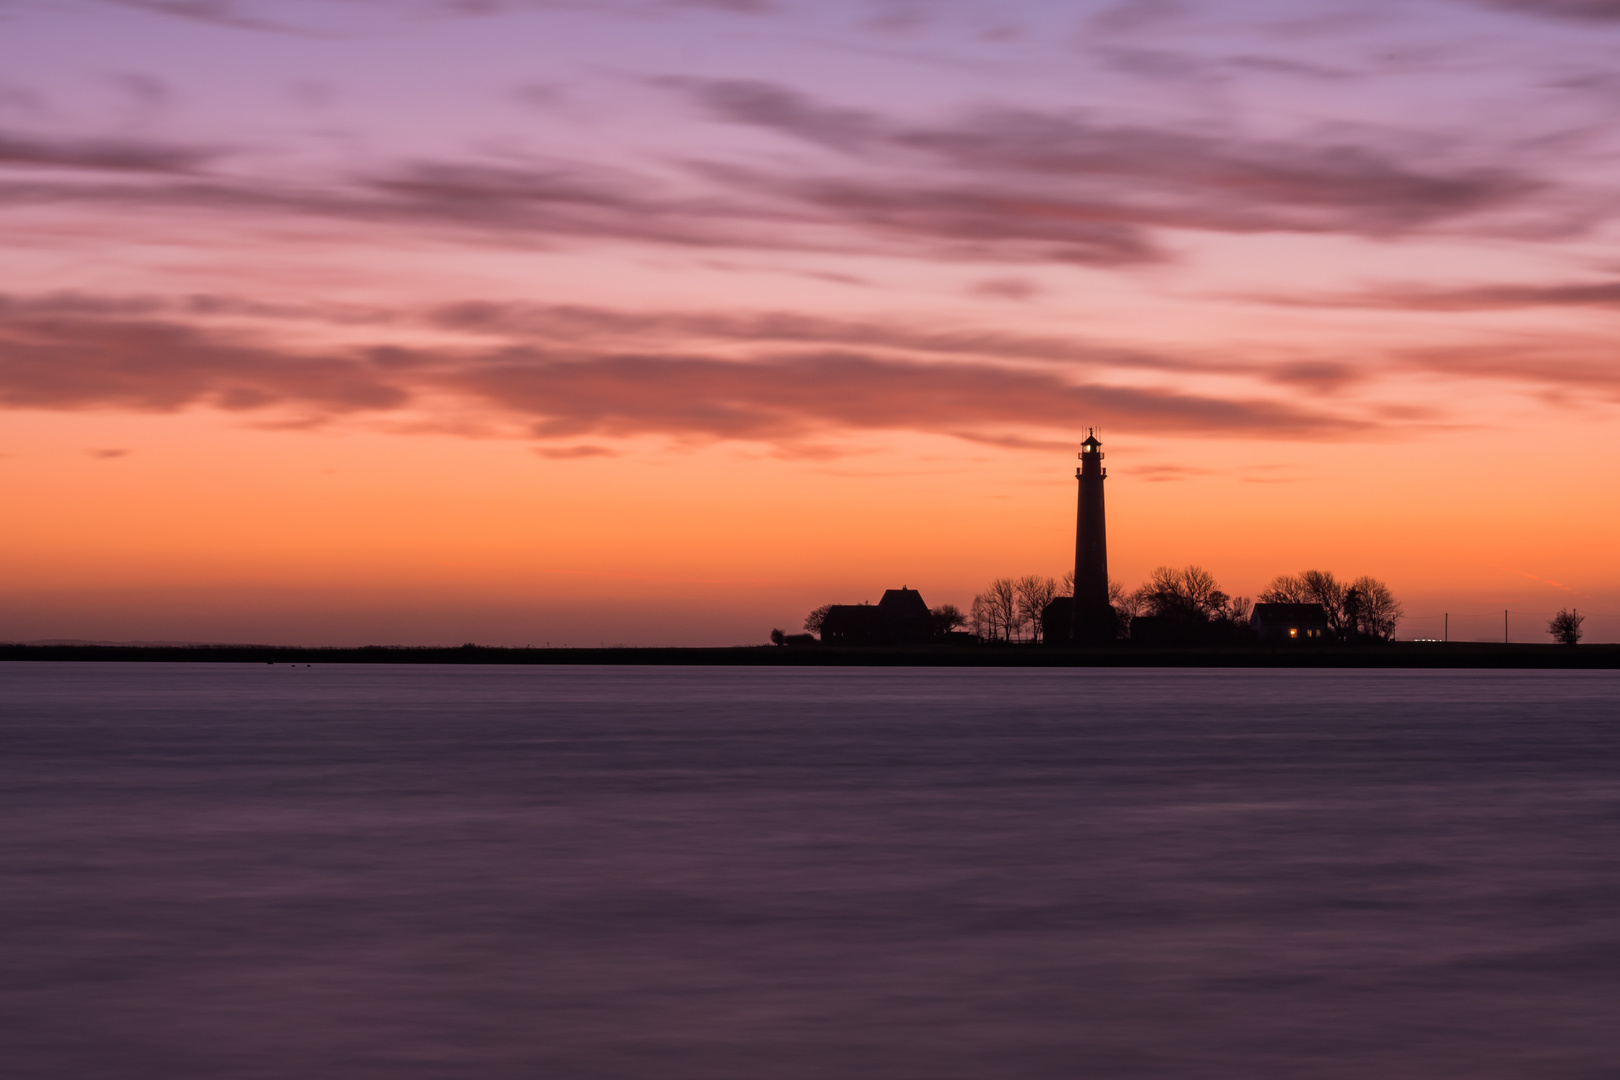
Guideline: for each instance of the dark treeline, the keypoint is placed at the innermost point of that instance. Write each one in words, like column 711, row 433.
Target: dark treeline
column 1179, row 606
column 1011, row 610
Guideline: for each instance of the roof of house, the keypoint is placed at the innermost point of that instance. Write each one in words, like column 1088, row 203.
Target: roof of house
column 903, row 603
column 1289, row 613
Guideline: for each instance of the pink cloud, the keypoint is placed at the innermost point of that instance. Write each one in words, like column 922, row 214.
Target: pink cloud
column 85, row 359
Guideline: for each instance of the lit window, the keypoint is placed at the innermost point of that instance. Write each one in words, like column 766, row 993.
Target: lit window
column 1293, row 632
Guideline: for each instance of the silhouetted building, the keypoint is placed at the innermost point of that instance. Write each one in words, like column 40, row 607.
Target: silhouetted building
column 1091, row 617
column 1057, row 621
column 900, row 618
column 1164, row 630
column 1276, row 624
column 1057, row 624
column 1173, row 630
column 1188, row 630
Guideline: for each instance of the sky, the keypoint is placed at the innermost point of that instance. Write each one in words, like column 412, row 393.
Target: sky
column 648, row 322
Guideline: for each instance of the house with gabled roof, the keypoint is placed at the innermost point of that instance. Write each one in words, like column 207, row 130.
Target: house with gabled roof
column 1284, row 624
column 900, row 618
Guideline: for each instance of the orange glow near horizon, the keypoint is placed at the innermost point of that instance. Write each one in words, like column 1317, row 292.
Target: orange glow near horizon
column 697, row 544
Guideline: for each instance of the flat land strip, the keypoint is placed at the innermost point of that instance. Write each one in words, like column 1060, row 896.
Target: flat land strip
column 1394, row 655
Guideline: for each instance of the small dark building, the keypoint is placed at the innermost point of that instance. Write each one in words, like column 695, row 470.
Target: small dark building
column 1057, row 621
column 900, row 618
column 1184, row 631
column 1277, row 624
column 1058, row 624
column 1173, row 630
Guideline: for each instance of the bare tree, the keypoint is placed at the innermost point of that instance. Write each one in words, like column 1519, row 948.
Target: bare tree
column 979, row 620
column 1001, row 609
column 1034, row 593
column 1352, row 611
column 1066, row 584
column 813, row 621
column 1285, row 589
column 948, row 617
column 1322, row 587
column 1187, row 593
column 1375, row 612
column 1199, row 586
column 1126, row 607
column 994, row 614
column 1565, row 627
column 1158, row 591
column 1239, row 608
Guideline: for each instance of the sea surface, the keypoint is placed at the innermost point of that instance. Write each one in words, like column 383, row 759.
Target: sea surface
column 229, row 871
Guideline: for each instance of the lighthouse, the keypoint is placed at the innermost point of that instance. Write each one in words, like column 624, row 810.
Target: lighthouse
column 1093, row 617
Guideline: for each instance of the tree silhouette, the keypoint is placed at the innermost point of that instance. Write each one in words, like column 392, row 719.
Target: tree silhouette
column 777, row 637
column 1286, row 589
column 1363, row 607
column 1565, row 626
column 1377, row 611
column 1310, row 587
column 1001, row 609
column 813, row 621
column 1352, row 610
column 979, row 620
column 1034, row 593
column 948, row 617
column 1322, row 587
column 1187, row 593
column 1126, row 607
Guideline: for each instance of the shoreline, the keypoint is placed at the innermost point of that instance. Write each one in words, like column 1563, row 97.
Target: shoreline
column 1394, row 655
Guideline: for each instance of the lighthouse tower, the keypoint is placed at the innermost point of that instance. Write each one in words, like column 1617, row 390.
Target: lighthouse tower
column 1093, row 617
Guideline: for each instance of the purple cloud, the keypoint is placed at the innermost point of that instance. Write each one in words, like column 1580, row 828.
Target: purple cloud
column 1007, row 185
column 223, row 13
column 77, row 362
column 1481, row 298
column 79, row 359
column 1000, row 169
column 101, row 155
column 1593, row 10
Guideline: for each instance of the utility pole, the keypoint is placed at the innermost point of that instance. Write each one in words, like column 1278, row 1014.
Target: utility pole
column 1445, row 635
column 1504, row 626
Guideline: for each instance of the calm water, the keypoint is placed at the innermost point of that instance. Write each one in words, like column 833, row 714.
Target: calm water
column 255, row 871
